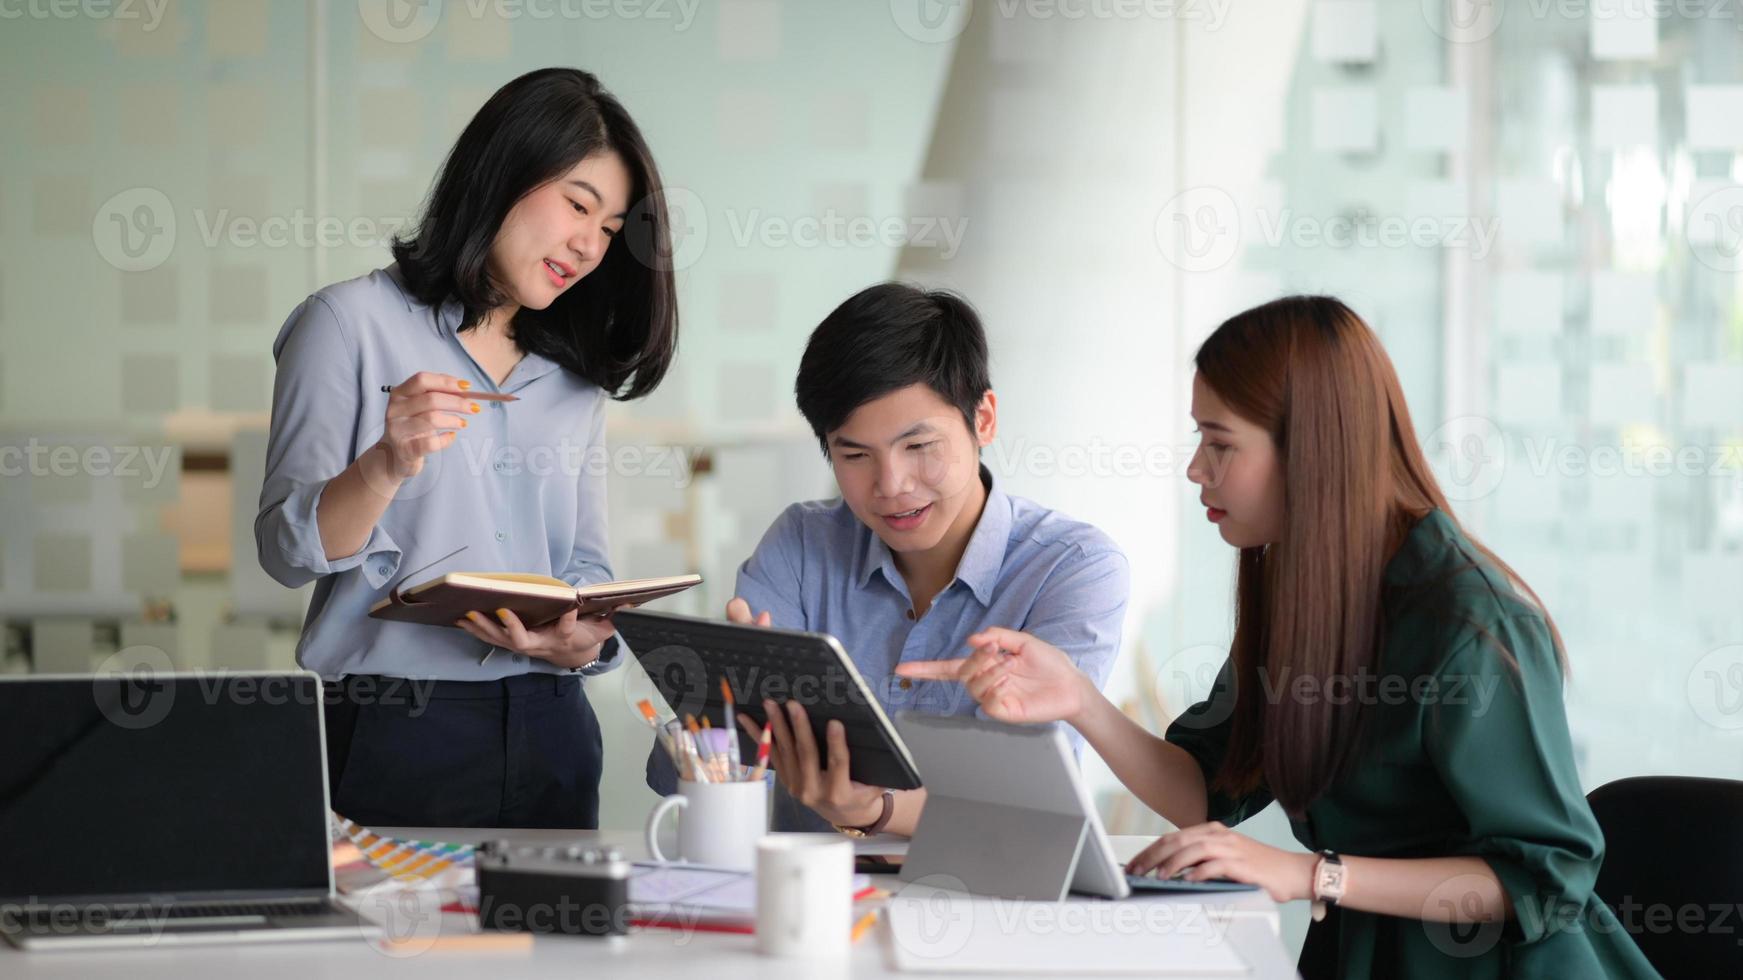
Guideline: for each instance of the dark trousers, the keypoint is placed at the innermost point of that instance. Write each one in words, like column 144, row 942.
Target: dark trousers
column 523, row 751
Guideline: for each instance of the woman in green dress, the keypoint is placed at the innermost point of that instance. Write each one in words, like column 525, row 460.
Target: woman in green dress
column 1391, row 683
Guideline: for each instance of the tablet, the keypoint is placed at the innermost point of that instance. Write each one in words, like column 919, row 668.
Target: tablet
column 998, row 790
column 687, row 657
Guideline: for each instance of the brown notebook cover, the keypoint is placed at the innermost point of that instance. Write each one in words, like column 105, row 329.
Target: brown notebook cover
column 536, row 599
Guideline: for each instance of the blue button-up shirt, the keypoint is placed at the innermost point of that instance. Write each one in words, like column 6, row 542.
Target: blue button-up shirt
column 1027, row 568
column 521, row 489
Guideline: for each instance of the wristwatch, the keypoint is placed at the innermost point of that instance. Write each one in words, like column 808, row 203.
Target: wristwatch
column 876, row 827
column 1329, row 878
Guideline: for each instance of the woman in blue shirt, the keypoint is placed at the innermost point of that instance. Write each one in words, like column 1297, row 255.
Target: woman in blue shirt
column 382, row 469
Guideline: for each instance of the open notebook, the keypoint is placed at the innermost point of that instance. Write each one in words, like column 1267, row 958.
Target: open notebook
column 536, row 599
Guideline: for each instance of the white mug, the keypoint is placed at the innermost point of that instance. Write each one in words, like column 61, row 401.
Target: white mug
column 804, row 895
column 720, row 826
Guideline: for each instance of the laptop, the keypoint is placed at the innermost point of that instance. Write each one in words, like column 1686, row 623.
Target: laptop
column 165, row 809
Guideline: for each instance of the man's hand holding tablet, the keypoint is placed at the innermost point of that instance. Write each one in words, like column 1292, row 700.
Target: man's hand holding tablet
column 794, row 756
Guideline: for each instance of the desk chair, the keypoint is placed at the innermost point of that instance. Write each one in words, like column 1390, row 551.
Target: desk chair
column 1674, row 841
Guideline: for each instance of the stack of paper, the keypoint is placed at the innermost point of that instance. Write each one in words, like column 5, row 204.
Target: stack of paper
column 934, row 930
column 682, row 895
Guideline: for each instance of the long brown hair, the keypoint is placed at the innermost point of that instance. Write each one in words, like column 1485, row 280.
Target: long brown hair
column 1309, row 371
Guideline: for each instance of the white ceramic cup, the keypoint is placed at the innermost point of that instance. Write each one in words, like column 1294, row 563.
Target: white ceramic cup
column 720, row 825
column 804, row 895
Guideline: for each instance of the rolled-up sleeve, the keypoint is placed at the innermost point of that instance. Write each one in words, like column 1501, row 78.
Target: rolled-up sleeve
column 314, row 422
column 1498, row 737
column 1203, row 731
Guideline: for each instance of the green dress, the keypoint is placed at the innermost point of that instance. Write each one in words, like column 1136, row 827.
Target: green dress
column 1461, row 754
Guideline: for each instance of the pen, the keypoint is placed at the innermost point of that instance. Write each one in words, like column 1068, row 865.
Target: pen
column 481, row 396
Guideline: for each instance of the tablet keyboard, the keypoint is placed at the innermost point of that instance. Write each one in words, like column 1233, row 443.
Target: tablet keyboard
column 1150, row 883
column 687, row 657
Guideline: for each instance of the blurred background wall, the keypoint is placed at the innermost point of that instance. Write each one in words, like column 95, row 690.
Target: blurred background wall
column 1538, row 204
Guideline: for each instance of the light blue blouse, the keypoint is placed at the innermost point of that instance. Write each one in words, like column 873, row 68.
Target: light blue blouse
column 521, row 489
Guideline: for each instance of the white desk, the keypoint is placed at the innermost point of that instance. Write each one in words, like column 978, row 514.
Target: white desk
column 1251, row 918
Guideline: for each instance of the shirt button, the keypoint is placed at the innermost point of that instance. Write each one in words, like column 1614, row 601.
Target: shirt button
column 496, row 405
column 500, row 536
column 519, row 659
column 910, row 615
column 498, row 466
column 905, row 684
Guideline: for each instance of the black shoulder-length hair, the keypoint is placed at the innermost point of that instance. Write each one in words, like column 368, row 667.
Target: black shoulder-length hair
column 618, row 326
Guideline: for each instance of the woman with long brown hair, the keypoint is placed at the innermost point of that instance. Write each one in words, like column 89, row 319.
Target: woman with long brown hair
column 1391, row 683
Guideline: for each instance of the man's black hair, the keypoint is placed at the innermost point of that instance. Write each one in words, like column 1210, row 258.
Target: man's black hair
column 886, row 338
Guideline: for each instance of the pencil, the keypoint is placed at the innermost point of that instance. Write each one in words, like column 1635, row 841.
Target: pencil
column 864, row 925
column 476, row 942
column 762, row 756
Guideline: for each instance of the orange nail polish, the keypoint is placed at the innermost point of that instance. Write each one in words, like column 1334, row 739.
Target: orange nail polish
column 462, row 423
column 475, row 408
column 502, row 614
column 465, row 386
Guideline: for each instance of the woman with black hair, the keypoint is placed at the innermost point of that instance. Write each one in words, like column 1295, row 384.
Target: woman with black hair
column 539, row 270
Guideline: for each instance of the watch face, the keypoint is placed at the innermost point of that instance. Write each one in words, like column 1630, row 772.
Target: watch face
column 1331, row 878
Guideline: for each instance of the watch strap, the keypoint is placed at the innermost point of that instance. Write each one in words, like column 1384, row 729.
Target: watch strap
column 877, row 826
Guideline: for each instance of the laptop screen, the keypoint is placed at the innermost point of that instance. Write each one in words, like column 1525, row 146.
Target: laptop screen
column 158, row 785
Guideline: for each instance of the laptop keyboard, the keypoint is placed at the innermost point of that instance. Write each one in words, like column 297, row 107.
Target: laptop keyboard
column 99, row 916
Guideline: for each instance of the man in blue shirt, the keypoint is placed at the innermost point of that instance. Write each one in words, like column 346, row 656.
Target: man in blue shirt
column 922, row 549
